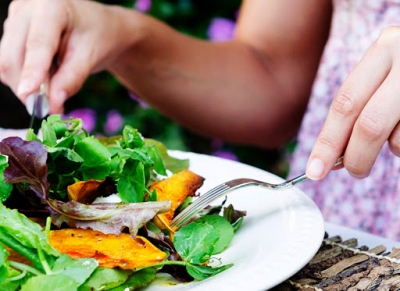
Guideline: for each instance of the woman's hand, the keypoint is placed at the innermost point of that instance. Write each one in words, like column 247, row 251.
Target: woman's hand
column 76, row 38
column 364, row 114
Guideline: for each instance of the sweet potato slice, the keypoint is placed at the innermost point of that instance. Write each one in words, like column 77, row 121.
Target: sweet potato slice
column 176, row 188
column 87, row 191
column 108, row 249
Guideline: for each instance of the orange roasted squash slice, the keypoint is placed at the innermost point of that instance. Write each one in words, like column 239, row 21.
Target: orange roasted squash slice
column 108, row 249
column 175, row 188
column 87, row 191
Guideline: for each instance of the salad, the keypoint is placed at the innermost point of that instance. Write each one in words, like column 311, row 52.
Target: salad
column 84, row 213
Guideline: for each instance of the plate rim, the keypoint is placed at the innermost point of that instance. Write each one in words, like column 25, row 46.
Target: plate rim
column 317, row 227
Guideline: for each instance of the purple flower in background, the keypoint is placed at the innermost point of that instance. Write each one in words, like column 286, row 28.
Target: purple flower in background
column 225, row 155
column 143, row 5
column 114, row 122
column 219, row 151
column 87, row 115
column 217, row 144
column 221, row 29
column 138, row 100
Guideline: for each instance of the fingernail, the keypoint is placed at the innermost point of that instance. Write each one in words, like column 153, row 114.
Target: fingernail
column 316, row 169
column 25, row 86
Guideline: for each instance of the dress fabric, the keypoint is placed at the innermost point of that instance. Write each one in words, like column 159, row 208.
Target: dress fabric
column 371, row 204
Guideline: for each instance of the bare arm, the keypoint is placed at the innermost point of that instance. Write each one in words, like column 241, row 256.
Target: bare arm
column 251, row 90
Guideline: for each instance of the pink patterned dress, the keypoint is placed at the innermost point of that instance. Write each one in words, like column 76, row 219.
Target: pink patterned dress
column 371, row 204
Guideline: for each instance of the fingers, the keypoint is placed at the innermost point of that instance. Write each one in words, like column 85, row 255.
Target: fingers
column 68, row 79
column 85, row 48
column 374, row 127
column 41, row 46
column 394, row 140
column 350, row 107
column 12, row 46
column 71, row 33
column 31, row 38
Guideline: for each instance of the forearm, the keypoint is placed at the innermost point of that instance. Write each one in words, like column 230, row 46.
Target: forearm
column 251, row 90
column 226, row 90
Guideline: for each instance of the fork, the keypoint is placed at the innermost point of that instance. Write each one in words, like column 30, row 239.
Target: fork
column 229, row 186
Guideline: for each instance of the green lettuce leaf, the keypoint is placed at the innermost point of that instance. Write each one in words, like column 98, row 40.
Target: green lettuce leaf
column 5, row 188
column 25, row 237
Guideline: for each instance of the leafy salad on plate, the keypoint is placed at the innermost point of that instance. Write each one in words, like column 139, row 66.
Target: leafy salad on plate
column 79, row 212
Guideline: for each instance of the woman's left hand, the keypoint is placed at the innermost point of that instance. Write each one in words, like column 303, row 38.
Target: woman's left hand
column 364, row 114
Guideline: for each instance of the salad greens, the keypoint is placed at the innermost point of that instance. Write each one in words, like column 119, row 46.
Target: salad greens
column 195, row 243
column 34, row 176
column 41, row 170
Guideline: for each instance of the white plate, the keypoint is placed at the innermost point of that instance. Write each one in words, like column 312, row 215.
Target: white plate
column 281, row 232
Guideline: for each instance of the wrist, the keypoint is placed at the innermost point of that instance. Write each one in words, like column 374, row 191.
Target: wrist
column 133, row 29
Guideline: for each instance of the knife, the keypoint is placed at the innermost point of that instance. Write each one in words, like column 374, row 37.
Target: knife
column 37, row 105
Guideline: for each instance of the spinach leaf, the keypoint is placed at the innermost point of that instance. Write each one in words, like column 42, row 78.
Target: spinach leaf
column 5, row 188
column 11, row 286
column 14, row 279
column 131, row 184
column 136, row 155
column 63, row 160
column 224, row 228
column 199, row 240
column 195, row 242
column 237, row 224
column 105, row 279
column 156, row 157
column 79, row 270
column 30, row 135
column 59, row 126
column 138, row 279
column 49, row 134
column 52, row 282
column 131, row 138
column 203, row 272
column 173, row 164
column 96, row 159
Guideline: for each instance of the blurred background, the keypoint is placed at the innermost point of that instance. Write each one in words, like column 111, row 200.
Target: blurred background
column 105, row 106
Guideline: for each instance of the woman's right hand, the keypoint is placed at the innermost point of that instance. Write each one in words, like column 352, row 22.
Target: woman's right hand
column 77, row 37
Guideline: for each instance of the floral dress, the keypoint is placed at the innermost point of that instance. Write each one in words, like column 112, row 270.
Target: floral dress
column 371, row 204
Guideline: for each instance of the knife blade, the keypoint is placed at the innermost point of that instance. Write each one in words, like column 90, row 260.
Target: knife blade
column 37, row 105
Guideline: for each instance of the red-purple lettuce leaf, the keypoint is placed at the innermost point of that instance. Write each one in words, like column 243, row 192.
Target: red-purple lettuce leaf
column 106, row 217
column 27, row 164
column 233, row 215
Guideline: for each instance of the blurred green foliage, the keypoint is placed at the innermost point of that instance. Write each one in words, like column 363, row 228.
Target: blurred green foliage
column 102, row 92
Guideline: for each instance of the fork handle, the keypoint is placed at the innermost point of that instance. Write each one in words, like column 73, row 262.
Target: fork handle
column 304, row 177
column 301, row 178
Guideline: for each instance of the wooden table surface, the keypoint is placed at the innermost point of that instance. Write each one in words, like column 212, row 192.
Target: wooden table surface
column 349, row 260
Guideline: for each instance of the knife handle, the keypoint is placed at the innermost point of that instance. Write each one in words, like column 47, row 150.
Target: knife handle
column 37, row 104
